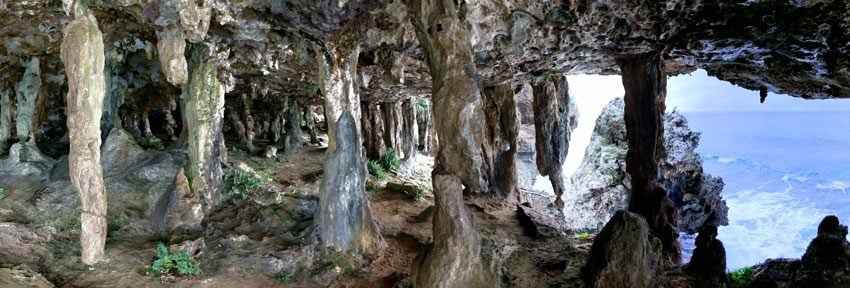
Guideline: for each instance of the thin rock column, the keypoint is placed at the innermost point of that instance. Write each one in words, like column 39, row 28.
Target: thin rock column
column 410, row 129
column 310, row 123
column 292, row 125
column 373, row 131
column 645, row 82
column 82, row 54
column 552, row 130
column 345, row 219
column 249, row 123
column 5, row 119
column 391, row 113
column 503, row 121
column 27, row 92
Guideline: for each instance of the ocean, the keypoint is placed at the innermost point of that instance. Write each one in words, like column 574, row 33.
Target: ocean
column 784, row 171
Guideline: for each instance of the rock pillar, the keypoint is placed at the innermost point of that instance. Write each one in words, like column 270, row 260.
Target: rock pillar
column 373, row 131
column 503, row 124
column 410, row 128
column 552, row 130
column 204, row 97
column 249, row 123
column 464, row 153
column 27, row 92
column 345, row 218
column 645, row 82
column 82, row 54
column 391, row 114
column 5, row 119
column 291, row 125
column 310, row 123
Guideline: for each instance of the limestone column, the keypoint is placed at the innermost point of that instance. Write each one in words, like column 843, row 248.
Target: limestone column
column 345, row 219
column 410, row 129
column 373, row 131
column 147, row 124
column 292, row 125
column 310, row 123
column 391, row 113
column 463, row 156
column 204, row 97
column 424, row 124
column 645, row 82
column 503, row 121
column 82, row 54
column 5, row 119
column 249, row 123
column 552, row 130
column 27, row 92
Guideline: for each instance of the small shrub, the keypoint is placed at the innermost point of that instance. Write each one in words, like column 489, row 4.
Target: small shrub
column 390, row 161
column 617, row 179
column 2, row 193
column 583, row 236
column 166, row 263
column 741, row 278
column 151, row 143
column 376, row 170
column 287, row 277
column 279, row 158
column 415, row 193
column 242, row 183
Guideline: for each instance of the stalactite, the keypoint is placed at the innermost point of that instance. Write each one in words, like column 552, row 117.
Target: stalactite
column 82, row 54
column 345, row 219
column 204, row 97
column 5, row 119
column 27, row 91
column 292, row 125
column 503, row 121
column 645, row 82
column 310, row 123
column 552, row 130
column 410, row 130
column 454, row 259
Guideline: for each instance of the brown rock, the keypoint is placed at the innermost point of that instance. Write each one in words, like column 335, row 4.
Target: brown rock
column 178, row 206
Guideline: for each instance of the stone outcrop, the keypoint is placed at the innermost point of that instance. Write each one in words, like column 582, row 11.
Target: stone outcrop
column 826, row 262
column 708, row 262
column 601, row 183
column 82, row 53
column 177, row 207
column 624, row 254
column 204, row 96
column 23, row 245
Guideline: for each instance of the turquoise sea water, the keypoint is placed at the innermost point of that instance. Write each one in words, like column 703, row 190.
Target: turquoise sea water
column 784, row 171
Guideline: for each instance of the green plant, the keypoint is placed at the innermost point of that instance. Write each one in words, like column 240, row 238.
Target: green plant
column 287, row 277
column 2, row 193
column 741, row 277
column 582, row 236
column 151, row 142
column 376, row 170
column 279, row 158
column 390, row 161
column 314, row 88
column 617, row 179
column 166, row 263
column 415, row 193
column 242, row 183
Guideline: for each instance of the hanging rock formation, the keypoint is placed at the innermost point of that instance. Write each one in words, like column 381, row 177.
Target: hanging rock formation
column 204, row 96
column 645, row 82
column 552, row 130
column 178, row 21
column 27, row 92
column 503, row 121
column 345, row 218
column 82, row 53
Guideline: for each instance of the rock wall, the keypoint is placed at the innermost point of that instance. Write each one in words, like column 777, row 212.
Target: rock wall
column 600, row 184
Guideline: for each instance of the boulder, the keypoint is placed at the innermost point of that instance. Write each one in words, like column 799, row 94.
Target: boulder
column 177, row 207
column 709, row 259
column 624, row 254
column 22, row 276
column 20, row 244
column 826, row 262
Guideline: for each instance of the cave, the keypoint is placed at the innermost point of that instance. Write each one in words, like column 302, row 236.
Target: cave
column 423, row 143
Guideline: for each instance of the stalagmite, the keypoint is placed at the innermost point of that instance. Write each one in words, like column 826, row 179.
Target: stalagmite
column 645, row 82
column 292, row 125
column 391, row 113
column 373, row 131
column 249, row 123
column 503, row 121
column 204, row 97
column 552, row 130
column 425, row 127
column 170, row 124
column 82, row 54
column 310, row 123
column 276, row 127
column 345, row 218
column 410, row 130
column 238, row 127
column 5, row 119
column 462, row 158
column 27, row 92
column 147, row 124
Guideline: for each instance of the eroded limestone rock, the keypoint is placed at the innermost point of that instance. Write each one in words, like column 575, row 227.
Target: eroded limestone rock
column 624, row 254
column 345, row 218
column 410, row 130
column 204, row 113
column 5, row 119
column 23, row 245
column 709, row 259
column 503, row 122
column 178, row 207
column 826, row 262
column 82, row 53
column 292, row 126
column 373, row 131
column 552, row 130
column 171, row 46
column 27, row 91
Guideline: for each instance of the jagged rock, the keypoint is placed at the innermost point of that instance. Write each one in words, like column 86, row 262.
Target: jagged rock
column 774, row 273
column 552, row 130
column 118, row 151
column 539, row 222
column 709, row 258
column 600, row 184
column 22, row 276
column 193, row 247
column 177, row 207
column 503, row 128
column 27, row 91
column 624, row 254
column 83, row 55
column 23, row 245
column 410, row 130
column 826, row 262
